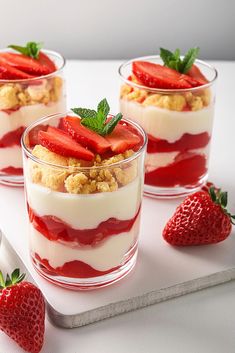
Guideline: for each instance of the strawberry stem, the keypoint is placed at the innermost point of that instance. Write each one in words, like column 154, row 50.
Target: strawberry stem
column 221, row 198
column 15, row 278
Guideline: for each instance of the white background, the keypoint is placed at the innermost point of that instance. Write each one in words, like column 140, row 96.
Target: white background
column 109, row 29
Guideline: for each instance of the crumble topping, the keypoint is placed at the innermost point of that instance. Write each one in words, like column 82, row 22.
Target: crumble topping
column 83, row 182
column 14, row 95
column 177, row 102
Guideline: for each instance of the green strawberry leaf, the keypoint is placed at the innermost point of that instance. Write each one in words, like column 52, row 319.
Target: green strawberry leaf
column 8, row 281
column 15, row 274
column 96, row 121
column 2, row 282
column 31, row 49
column 84, row 113
column 224, row 199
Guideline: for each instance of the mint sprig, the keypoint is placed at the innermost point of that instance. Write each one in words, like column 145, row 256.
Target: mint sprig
column 97, row 120
column 31, row 49
column 173, row 60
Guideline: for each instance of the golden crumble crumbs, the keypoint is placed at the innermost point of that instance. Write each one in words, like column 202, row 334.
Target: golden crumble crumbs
column 176, row 102
column 14, row 95
column 83, row 182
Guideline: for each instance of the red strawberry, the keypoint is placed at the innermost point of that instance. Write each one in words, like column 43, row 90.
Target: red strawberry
column 8, row 72
column 158, row 76
column 201, row 219
column 44, row 59
column 22, row 312
column 197, row 75
column 60, row 142
column 33, row 134
column 122, row 139
column 85, row 136
column 25, row 63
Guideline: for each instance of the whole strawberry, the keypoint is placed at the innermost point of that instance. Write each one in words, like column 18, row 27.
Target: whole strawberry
column 22, row 311
column 201, row 219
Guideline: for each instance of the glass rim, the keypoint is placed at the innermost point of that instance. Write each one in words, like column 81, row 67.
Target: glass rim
column 75, row 169
column 32, row 79
column 161, row 90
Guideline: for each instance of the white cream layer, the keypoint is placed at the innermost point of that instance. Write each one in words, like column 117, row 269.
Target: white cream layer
column 163, row 159
column 85, row 211
column 103, row 257
column 11, row 157
column 28, row 114
column 167, row 124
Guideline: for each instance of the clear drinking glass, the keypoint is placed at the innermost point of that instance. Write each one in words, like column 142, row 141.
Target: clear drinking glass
column 21, row 103
column 179, row 127
column 84, row 221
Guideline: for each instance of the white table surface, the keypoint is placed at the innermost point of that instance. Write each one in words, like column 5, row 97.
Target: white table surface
column 202, row 322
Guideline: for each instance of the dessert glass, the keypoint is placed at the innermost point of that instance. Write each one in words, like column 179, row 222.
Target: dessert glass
column 179, row 126
column 82, row 238
column 21, row 103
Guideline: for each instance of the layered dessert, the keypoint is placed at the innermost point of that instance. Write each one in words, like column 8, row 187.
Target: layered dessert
column 31, row 86
column 84, row 178
column 173, row 100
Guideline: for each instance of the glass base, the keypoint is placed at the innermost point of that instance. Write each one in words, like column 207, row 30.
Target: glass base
column 12, row 180
column 173, row 192
column 88, row 283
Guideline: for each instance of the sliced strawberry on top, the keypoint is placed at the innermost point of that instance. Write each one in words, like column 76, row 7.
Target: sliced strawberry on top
column 8, row 72
column 197, row 75
column 33, row 134
column 25, row 63
column 158, row 76
column 85, row 136
column 59, row 142
column 45, row 60
column 122, row 139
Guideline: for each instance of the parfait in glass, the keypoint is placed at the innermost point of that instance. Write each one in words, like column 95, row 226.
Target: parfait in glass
column 31, row 86
column 84, row 174
column 173, row 99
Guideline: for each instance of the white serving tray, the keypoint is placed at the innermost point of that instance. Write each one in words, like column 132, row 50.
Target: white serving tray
column 162, row 272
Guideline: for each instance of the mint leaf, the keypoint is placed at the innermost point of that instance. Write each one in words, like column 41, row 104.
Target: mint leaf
column 31, row 49
column 84, row 113
column 189, row 59
column 173, row 60
column 109, row 127
column 103, row 108
column 93, row 124
column 166, row 56
column 96, row 121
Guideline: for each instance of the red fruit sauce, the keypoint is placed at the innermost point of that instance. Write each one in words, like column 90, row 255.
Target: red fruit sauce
column 55, row 229
column 182, row 172
column 74, row 269
column 12, row 171
column 186, row 142
column 12, row 138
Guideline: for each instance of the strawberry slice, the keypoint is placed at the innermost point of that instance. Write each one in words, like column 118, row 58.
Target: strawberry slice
column 44, row 59
column 158, row 76
column 122, row 139
column 85, row 136
column 197, row 75
column 33, row 134
column 8, row 72
column 59, row 142
column 25, row 63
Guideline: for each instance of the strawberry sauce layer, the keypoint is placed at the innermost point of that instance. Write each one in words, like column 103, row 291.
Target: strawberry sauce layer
column 55, row 229
column 74, row 269
column 12, row 171
column 182, row 172
column 186, row 142
column 12, row 138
